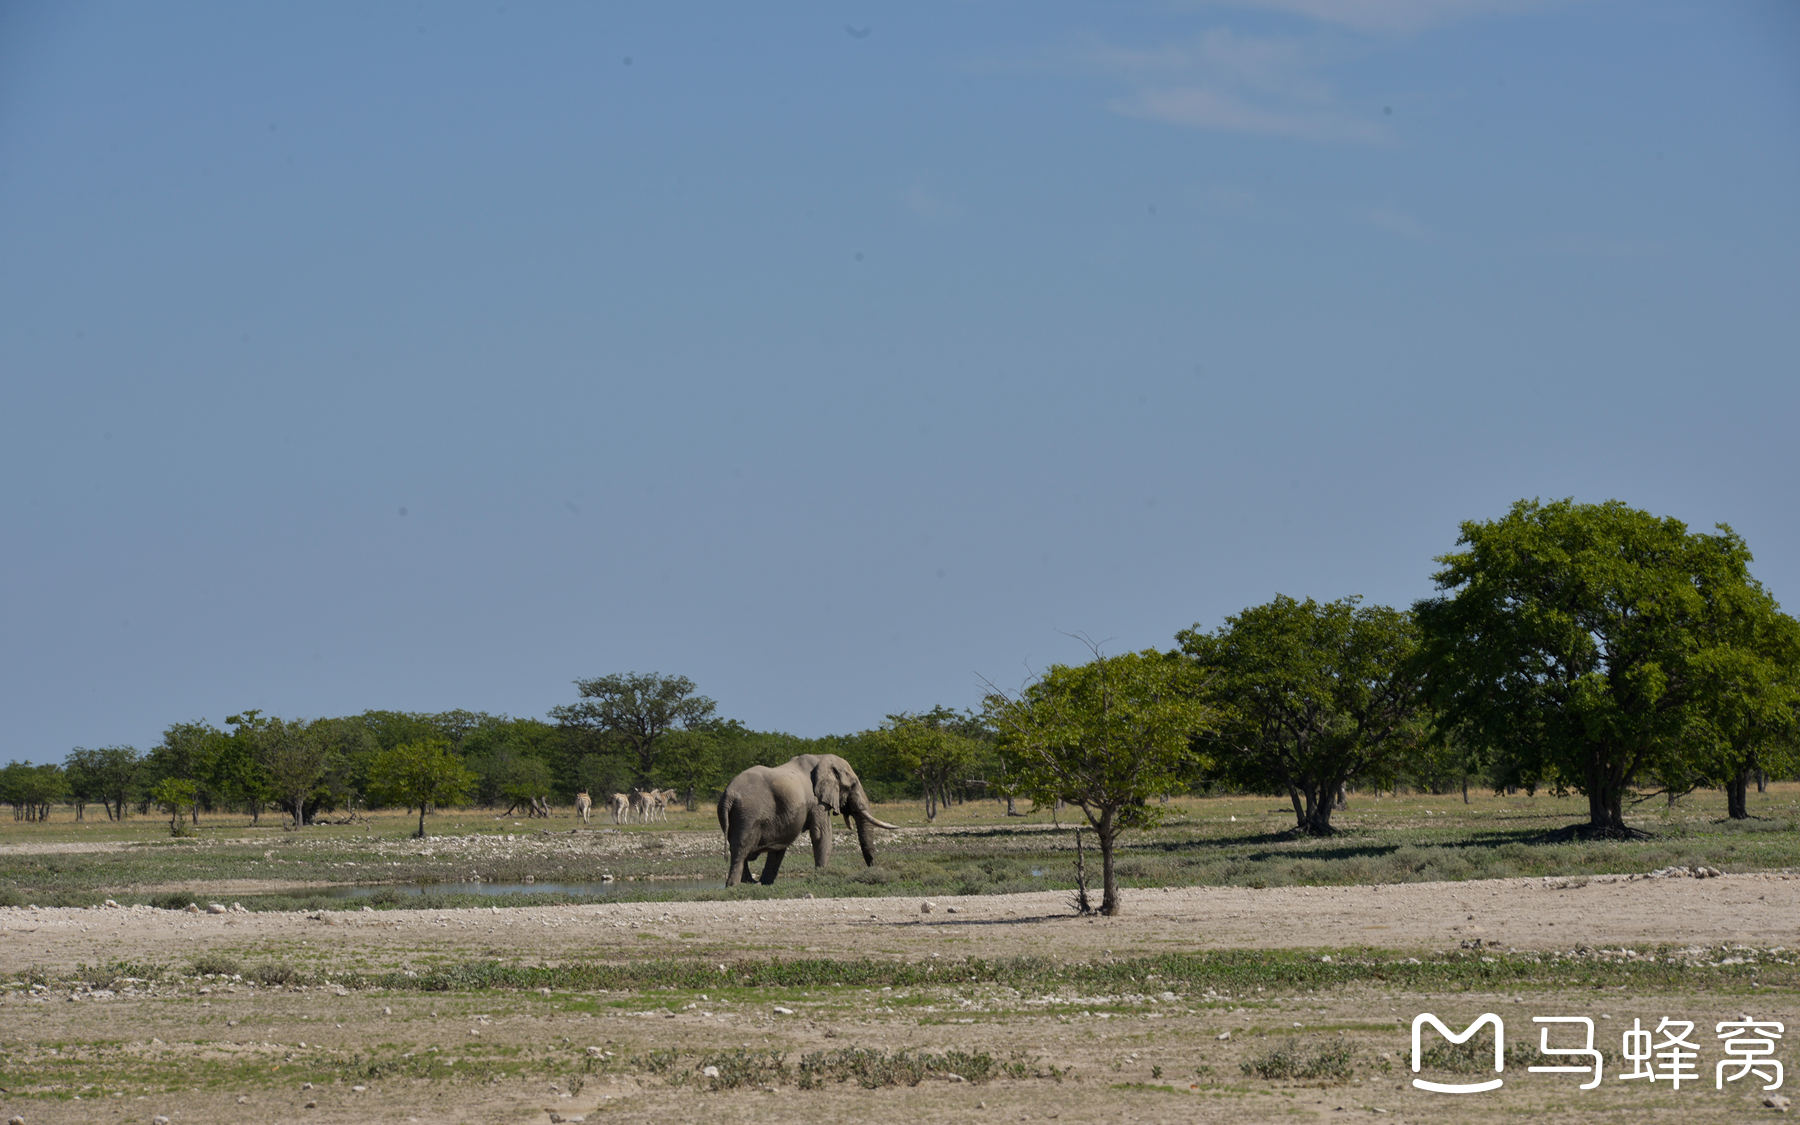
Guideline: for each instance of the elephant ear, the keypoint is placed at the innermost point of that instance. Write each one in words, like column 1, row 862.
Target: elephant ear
column 826, row 786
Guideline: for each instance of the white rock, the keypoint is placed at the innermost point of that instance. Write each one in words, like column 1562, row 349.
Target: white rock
column 780, row 1011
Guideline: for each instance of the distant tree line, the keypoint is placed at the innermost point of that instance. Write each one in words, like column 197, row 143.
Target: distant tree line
column 1576, row 648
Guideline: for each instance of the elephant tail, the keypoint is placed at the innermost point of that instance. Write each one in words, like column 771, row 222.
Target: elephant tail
column 725, row 812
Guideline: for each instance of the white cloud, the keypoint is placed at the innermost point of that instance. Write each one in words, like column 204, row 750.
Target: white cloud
column 1272, row 85
column 1204, row 108
column 1383, row 17
column 1230, row 82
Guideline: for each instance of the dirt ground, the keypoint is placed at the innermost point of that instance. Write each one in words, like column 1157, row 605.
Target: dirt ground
column 1145, row 1057
column 1556, row 913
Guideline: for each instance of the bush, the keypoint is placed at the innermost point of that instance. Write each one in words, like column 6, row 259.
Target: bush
column 1330, row 1061
column 275, row 972
column 216, row 964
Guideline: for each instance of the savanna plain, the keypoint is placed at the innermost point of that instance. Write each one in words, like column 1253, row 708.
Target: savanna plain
column 1253, row 975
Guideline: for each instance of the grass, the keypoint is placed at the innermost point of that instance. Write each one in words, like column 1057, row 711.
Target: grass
column 1130, row 980
column 970, row 849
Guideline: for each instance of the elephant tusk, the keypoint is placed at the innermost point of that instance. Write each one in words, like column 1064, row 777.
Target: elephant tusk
column 877, row 822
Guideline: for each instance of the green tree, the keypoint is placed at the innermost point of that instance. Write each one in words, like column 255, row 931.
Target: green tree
column 514, row 760
column 190, row 751
column 691, row 763
column 109, row 775
column 238, row 777
column 295, row 757
column 1104, row 736
column 175, row 795
column 349, row 751
column 1572, row 640
column 32, row 789
column 634, row 710
column 1310, row 696
column 423, row 773
column 1748, row 679
column 739, row 748
column 931, row 748
column 506, row 775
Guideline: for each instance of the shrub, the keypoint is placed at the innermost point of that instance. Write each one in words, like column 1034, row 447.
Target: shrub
column 1329, row 1061
column 216, row 964
column 275, row 972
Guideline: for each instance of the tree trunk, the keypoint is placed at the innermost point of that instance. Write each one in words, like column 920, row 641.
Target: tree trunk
column 421, row 834
column 1318, row 815
column 1606, row 804
column 1736, row 796
column 1762, row 782
column 1299, row 809
column 1105, row 832
column 1465, row 787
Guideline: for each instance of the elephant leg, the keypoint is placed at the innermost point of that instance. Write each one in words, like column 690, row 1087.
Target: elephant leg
column 772, row 865
column 740, row 867
column 818, row 826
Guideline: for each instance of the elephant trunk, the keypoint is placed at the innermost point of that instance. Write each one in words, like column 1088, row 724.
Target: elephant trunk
column 864, row 836
column 858, row 806
column 856, row 811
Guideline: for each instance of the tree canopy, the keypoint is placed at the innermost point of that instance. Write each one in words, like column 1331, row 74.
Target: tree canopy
column 1104, row 736
column 1309, row 697
column 935, row 747
column 424, row 773
column 634, row 710
column 1578, row 642
column 1748, row 681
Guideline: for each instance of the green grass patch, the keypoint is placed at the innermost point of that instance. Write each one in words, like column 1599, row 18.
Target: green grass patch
column 1240, row 973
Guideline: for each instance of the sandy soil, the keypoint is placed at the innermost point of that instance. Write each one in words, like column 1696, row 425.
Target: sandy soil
column 1136, row 1060
column 1558, row 913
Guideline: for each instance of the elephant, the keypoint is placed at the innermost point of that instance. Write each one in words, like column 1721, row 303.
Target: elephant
column 765, row 808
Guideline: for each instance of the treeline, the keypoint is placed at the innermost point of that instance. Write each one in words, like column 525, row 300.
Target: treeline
column 1588, row 648
column 255, row 764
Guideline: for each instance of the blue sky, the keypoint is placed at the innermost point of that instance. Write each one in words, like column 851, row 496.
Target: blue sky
column 423, row 356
